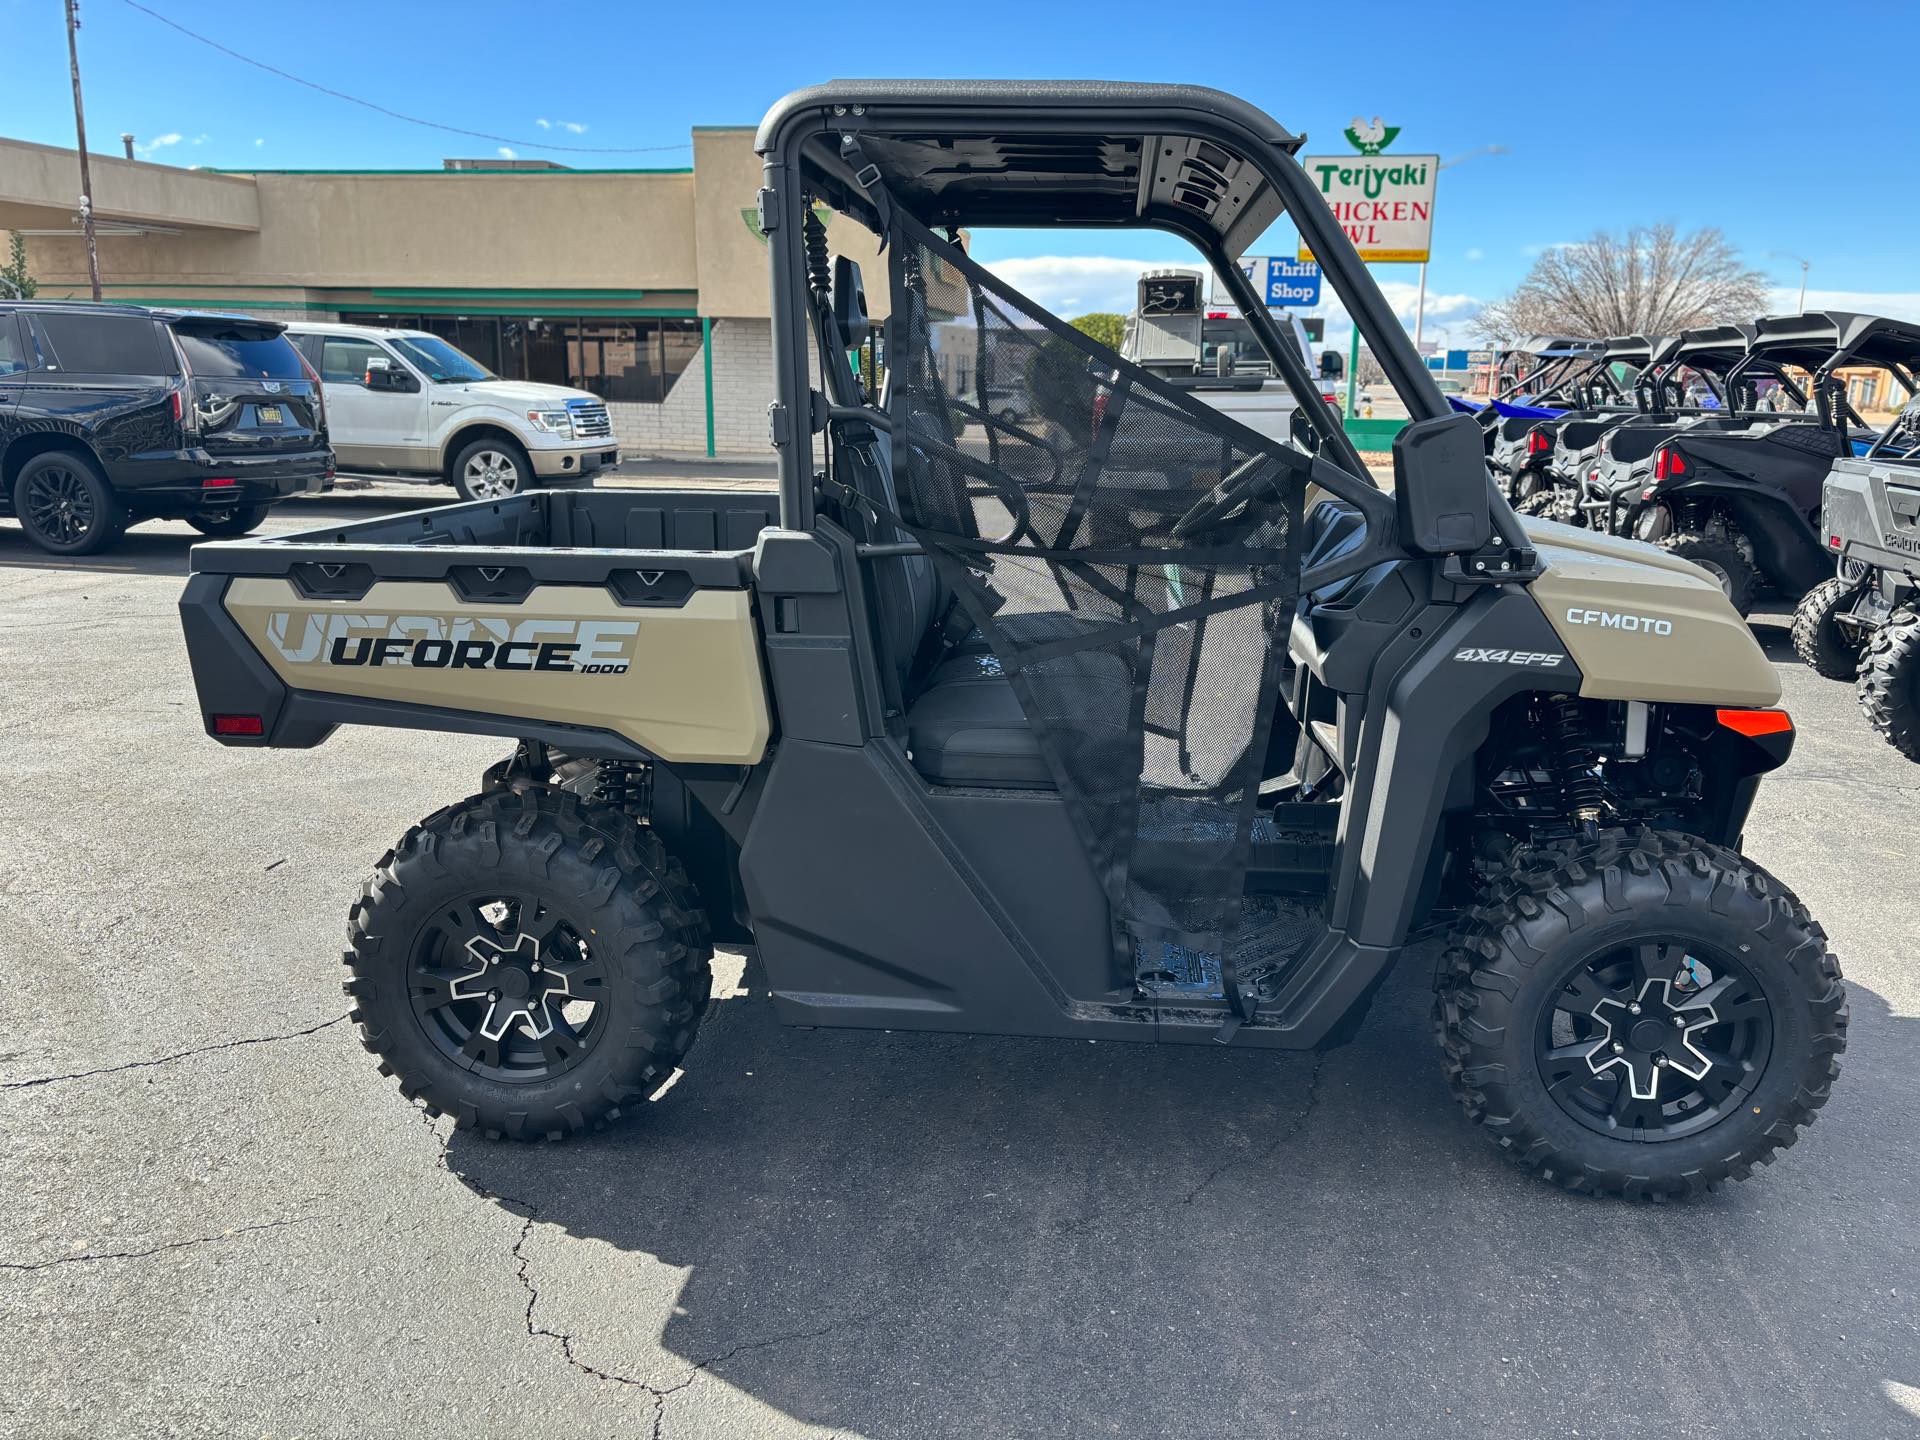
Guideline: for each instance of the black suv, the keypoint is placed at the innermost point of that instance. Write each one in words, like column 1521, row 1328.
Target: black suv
column 113, row 414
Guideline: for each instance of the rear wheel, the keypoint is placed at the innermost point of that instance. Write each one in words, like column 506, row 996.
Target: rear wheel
column 1647, row 1015
column 1819, row 639
column 1889, row 686
column 1536, row 502
column 225, row 524
column 65, row 505
column 528, row 964
column 491, row 469
column 1724, row 560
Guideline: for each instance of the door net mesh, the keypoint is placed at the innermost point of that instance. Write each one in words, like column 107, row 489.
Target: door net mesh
column 1046, row 476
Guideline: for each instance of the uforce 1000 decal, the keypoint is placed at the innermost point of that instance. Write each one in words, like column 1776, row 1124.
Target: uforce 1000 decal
column 454, row 642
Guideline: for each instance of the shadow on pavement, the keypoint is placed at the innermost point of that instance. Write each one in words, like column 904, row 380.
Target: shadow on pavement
column 933, row 1235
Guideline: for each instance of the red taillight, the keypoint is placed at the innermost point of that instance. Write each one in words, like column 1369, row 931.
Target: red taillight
column 179, row 409
column 1833, row 542
column 218, row 482
column 1755, row 722
column 1537, row 443
column 239, row 725
column 1668, row 463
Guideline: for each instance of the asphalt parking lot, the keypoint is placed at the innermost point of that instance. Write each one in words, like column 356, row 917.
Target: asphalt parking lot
column 219, row 1220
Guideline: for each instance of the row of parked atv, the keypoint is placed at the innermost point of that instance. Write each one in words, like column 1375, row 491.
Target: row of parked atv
column 1738, row 447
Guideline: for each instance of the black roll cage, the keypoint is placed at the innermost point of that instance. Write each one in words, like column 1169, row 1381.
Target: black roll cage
column 793, row 168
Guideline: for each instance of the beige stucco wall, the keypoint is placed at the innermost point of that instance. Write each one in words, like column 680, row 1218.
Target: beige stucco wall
column 537, row 230
column 40, row 189
column 670, row 232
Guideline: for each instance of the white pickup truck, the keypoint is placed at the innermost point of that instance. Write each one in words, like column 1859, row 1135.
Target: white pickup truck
column 408, row 404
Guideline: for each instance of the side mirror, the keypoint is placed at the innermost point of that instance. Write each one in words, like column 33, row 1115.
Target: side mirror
column 389, row 375
column 1441, row 488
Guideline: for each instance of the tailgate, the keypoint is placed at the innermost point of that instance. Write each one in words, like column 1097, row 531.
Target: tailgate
column 537, row 616
column 248, row 392
column 1870, row 512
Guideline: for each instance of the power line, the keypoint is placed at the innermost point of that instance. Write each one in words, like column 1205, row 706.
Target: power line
column 394, row 114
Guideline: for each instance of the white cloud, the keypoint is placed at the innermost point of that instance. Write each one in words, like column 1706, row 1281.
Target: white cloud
column 261, row 140
column 572, row 127
column 1071, row 285
column 1895, row 304
column 160, row 142
column 507, row 152
column 544, row 124
column 1476, row 253
column 201, row 139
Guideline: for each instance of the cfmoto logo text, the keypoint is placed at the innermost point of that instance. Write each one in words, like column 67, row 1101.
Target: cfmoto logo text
column 1613, row 620
column 454, row 642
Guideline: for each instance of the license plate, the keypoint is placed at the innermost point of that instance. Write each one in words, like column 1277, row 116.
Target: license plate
column 267, row 414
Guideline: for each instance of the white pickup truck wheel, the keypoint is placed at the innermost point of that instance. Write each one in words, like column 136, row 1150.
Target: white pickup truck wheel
column 491, row 469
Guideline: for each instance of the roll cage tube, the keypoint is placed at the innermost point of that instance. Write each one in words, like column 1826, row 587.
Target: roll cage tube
column 1069, row 111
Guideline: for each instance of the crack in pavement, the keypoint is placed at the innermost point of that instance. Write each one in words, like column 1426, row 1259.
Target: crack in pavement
column 1292, row 1128
column 169, row 1059
column 529, row 1213
column 228, row 1234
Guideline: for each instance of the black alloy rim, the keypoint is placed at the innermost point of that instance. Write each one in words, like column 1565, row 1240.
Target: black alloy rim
column 60, row 505
column 507, row 988
column 1654, row 1040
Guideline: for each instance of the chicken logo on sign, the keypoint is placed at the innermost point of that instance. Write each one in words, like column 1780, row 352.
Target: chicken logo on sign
column 1370, row 137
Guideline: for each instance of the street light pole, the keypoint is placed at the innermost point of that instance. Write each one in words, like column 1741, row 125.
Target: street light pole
column 1803, row 287
column 80, row 129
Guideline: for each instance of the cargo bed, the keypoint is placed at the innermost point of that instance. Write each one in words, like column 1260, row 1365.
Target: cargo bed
column 615, row 622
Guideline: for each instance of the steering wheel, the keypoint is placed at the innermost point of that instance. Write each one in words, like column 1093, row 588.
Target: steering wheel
column 1240, row 488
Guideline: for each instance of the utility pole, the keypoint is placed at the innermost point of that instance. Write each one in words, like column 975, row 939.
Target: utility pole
column 1803, row 287
column 80, row 128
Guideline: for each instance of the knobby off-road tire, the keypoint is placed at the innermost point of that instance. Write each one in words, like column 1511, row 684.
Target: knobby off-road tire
column 1539, row 503
column 1519, row 958
column 1723, row 559
column 1818, row 638
column 619, row 926
column 1889, row 685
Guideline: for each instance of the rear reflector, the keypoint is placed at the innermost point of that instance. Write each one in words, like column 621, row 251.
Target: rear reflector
column 1755, row 722
column 1833, row 542
column 253, row 725
column 218, row 482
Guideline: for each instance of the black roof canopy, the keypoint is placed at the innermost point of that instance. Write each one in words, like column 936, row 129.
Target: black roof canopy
column 1822, row 338
column 1050, row 153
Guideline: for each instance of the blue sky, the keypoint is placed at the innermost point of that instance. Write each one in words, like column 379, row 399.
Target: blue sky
column 1771, row 121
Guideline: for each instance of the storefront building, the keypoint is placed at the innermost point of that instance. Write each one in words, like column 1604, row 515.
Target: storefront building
column 647, row 287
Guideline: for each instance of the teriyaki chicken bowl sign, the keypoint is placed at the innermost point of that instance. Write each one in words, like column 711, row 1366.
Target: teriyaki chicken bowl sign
column 1383, row 202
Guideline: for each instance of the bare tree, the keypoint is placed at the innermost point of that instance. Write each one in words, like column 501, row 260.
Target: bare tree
column 1650, row 281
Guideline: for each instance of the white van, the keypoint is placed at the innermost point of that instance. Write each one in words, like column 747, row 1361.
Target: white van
column 408, row 404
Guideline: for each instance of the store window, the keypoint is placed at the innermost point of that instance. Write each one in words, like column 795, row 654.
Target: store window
column 633, row 360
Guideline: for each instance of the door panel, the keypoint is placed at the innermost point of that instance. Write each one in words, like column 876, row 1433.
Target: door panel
column 371, row 429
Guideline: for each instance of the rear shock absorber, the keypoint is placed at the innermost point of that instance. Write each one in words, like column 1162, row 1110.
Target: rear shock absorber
column 1580, row 789
column 625, row 785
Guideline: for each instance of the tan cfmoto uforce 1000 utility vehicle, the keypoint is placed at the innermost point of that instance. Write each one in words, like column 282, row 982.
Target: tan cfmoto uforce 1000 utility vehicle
column 1094, row 714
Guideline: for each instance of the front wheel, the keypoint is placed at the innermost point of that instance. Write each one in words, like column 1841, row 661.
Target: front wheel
column 66, row 506
column 528, row 964
column 491, row 469
column 1889, row 686
column 1828, row 647
column 1646, row 1016
column 227, row 524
